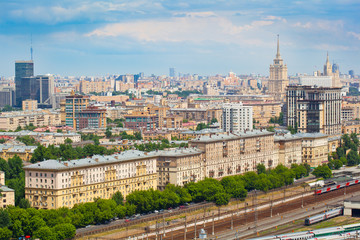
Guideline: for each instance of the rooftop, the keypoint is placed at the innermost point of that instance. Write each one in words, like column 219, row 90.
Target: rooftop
column 310, row 135
column 56, row 165
column 229, row 136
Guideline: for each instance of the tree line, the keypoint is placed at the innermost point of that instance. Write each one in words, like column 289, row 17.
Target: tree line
column 67, row 152
column 347, row 153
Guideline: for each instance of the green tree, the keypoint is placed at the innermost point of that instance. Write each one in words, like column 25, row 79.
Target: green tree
column 68, row 141
column 353, row 158
column 221, row 198
column 214, row 120
column 322, row 171
column 64, row 231
column 59, row 130
column 108, row 132
column 27, row 140
column 260, row 169
column 5, row 233
column 44, row 233
column 24, row 203
column 5, row 220
column 201, row 126
column 118, row 198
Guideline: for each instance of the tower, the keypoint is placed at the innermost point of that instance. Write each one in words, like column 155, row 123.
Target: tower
column 278, row 80
column 327, row 66
column 23, row 69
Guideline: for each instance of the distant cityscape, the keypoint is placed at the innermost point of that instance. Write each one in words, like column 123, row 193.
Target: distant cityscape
column 152, row 132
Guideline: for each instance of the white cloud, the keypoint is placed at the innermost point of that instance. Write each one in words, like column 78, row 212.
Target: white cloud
column 307, row 25
column 275, row 18
column 192, row 28
column 356, row 35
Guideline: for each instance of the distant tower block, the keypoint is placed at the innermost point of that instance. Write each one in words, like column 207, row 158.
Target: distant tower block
column 278, row 80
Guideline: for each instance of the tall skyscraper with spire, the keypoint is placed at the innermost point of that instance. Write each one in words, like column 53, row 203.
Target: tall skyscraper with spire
column 333, row 73
column 278, row 80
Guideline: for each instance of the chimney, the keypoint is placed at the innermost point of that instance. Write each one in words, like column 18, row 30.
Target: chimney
column 66, row 164
column 97, row 159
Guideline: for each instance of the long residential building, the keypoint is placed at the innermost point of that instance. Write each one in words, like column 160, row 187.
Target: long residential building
column 53, row 184
column 12, row 120
column 232, row 154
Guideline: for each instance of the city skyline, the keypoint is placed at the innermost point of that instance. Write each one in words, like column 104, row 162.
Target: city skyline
column 206, row 37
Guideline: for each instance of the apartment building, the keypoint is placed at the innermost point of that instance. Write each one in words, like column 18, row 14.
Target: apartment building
column 94, row 86
column 232, row 154
column 314, row 109
column 39, row 118
column 315, row 148
column 236, row 117
column 179, row 167
column 45, row 138
column 29, row 105
column 263, row 110
column 350, row 127
column 24, row 152
column 289, row 149
column 198, row 114
column 140, row 120
column 7, row 195
column 53, row 184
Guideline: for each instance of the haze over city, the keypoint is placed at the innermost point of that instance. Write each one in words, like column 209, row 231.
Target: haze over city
column 203, row 37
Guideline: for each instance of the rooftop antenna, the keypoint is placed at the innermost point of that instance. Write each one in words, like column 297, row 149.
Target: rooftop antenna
column 31, row 48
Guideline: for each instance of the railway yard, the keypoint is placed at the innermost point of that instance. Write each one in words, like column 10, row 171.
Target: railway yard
column 260, row 215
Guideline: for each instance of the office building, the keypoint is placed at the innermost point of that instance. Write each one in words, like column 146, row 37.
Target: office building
column 278, row 80
column 22, row 69
column 172, row 72
column 54, row 184
column 236, row 117
column 314, row 109
column 7, row 97
column 45, row 89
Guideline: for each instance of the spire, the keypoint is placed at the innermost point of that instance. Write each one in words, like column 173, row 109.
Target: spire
column 278, row 48
column 327, row 57
column 31, row 49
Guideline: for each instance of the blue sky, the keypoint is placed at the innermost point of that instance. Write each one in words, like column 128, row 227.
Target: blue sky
column 206, row 37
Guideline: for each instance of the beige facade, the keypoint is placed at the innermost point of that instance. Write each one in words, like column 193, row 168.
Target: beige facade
column 156, row 134
column 94, row 86
column 355, row 109
column 198, row 114
column 264, row 110
column 350, row 127
column 29, row 105
column 23, row 152
column 7, row 195
column 315, row 148
column 278, row 80
column 232, row 154
column 52, row 184
column 39, row 118
column 179, row 167
column 290, row 150
column 173, row 122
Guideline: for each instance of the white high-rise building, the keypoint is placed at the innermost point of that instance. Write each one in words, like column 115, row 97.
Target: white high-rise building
column 237, row 117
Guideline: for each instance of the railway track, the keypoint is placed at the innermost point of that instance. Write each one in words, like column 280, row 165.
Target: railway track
column 249, row 218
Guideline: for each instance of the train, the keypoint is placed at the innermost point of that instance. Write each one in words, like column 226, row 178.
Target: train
column 319, row 234
column 336, row 186
column 323, row 216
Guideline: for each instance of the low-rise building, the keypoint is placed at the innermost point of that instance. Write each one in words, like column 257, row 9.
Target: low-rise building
column 101, row 131
column 38, row 118
column 172, row 122
column 45, row 138
column 53, row 184
column 315, row 148
column 290, row 150
column 156, row 134
column 23, row 152
column 140, row 121
column 349, row 127
column 7, row 195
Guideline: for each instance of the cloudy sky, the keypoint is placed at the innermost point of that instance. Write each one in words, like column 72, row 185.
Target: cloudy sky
column 86, row 37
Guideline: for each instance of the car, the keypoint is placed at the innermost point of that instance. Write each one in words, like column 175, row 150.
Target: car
column 127, row 220
column 88, row 226
column 156, row 211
